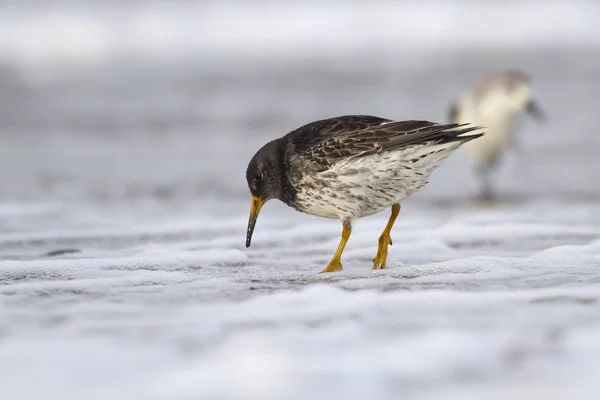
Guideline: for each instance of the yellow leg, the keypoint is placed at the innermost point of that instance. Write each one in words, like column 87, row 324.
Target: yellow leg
column 385, row 239
column 336, row 263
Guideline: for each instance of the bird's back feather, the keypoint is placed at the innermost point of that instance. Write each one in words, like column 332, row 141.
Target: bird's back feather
column 327, row 142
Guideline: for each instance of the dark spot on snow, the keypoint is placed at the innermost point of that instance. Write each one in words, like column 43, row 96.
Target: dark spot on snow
column 60, row 252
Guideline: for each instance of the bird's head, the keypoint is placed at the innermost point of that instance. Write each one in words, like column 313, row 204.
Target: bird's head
column 264, row 181
column 517, row 96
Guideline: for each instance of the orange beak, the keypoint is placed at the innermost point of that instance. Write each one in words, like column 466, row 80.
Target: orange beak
column 255, row 207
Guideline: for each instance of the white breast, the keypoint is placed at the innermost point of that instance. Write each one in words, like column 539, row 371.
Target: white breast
column 364, row 186
column 488, row 112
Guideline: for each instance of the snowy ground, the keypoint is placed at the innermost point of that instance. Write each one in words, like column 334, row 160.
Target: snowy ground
column 136, row 170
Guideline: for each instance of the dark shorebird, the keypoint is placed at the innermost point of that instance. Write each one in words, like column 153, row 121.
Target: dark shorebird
column 350, row 167
column 495, row 103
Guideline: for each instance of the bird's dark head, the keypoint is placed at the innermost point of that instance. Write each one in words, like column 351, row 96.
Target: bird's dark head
column 264, row 181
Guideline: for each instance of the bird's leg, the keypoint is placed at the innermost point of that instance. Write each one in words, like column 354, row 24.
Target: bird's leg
column 385, row 239
column 336, row 262
column 484, row 172
column 514, row 145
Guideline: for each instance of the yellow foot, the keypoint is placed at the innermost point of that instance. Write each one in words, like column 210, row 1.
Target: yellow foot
column 382, row 251
column 334, row 265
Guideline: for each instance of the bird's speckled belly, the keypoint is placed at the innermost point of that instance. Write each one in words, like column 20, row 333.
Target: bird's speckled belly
column 367, row 185
column 331, row 198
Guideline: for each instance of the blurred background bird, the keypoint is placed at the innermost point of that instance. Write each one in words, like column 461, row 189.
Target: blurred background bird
column 496, row 103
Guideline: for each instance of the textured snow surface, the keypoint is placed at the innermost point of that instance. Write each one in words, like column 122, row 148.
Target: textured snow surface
column 201, row 318
column 123, row 208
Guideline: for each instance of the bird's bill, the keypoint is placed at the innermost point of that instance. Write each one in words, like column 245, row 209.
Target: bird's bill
column 535, row 111
column 255, row 207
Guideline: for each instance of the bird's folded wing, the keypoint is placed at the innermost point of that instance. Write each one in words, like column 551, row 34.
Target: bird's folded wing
column 349, row 141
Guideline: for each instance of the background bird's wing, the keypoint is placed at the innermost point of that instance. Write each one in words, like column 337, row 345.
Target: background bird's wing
column 358, row 136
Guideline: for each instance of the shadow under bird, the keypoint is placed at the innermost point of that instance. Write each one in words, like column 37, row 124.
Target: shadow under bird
column 495, row 103
column 351, row 167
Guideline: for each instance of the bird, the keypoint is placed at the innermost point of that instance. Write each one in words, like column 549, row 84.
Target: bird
column 349, row 167
column 495, row 103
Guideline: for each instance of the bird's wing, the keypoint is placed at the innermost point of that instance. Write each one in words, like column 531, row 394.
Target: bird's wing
column 315, row 133
column 354, row 137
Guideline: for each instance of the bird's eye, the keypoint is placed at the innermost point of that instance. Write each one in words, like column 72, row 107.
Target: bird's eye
column 259, row 177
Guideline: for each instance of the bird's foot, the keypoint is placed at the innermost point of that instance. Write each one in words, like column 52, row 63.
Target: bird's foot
column 334, row 265
column 487, row 198
column 382, row 251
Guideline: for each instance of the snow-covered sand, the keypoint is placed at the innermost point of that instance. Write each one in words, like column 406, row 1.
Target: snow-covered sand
column 133, row 174
column 488, row 301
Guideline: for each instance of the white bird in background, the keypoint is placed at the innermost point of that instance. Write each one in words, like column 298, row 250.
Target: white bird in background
column 495, row 103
